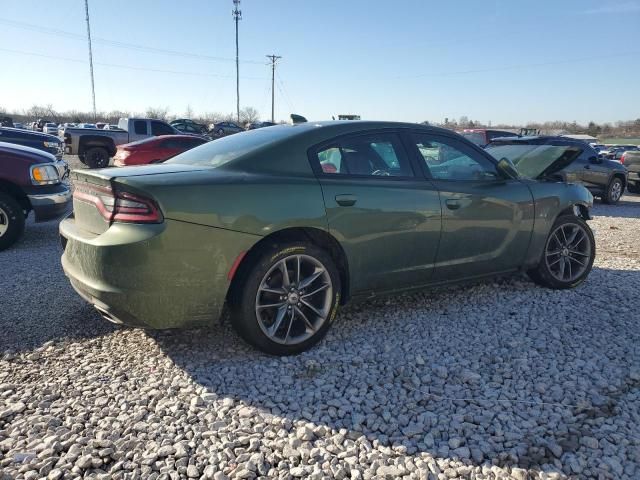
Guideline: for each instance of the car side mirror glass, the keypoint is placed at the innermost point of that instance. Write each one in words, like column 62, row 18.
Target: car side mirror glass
column 507, row 168
column 595, row 160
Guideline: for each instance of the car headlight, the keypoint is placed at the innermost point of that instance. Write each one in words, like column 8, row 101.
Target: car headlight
column 52, row 145
column 44, row 175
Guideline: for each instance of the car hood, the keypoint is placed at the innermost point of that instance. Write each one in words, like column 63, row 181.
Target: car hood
column 535, row 161
column 45, row 137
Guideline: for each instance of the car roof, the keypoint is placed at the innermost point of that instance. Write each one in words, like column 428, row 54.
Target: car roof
column 542, row 140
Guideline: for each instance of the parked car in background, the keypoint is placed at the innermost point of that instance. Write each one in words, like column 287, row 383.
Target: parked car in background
column 617, row 151
column 50, row 128
column 6, row 122
column 30, row 181
column 190, row 127
column 86, row 125
column 19, row 125
column 41, row 141
column 100, row 125
column 112, row 127
column 40, row 123
column 254, row 125
column 63, row 126
column 631, row 160
column 154, row 149
column 604, row 178
column 482, row 136
column 226, row 128
column 94, row 148
column 254, row 222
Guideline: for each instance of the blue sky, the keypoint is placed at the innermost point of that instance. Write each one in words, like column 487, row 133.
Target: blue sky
column 504, row 60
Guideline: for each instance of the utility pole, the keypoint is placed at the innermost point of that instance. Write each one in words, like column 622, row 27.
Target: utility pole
column 237, row 15
column 93, row 87
column 274, row 59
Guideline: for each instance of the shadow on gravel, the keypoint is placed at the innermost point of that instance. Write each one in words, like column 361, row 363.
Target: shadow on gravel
column 627, row 207
column 501, row 373
column 37, row 303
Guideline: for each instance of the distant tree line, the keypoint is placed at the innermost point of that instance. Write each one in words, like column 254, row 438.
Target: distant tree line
column 621, row 128
column 247, row 115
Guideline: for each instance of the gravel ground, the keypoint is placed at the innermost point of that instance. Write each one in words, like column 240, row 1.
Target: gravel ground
column 495, row 380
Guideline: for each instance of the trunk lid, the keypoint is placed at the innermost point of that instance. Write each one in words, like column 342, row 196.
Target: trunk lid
column 89, row 184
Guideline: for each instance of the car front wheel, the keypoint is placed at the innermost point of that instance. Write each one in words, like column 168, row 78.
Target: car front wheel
column 286, row 299
column 568, row 254
column 11, row 221
column 614, row 191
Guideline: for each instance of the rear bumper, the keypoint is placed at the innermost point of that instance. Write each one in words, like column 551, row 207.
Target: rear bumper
column 168, row 275
column 49, row 203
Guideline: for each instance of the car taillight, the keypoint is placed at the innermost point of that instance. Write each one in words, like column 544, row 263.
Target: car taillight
column 622, row 158
column 119, row 206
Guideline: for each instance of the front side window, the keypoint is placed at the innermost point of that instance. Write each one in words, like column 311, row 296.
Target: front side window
column 368, row 155
column 445, row 161
column 140, row 127
column 159, row 128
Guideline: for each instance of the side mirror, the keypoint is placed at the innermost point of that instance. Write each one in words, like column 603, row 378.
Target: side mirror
column 507, row 168
column 595, row 160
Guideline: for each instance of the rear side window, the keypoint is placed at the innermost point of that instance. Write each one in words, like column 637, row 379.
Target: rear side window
column 140, row 127
column 365, row 155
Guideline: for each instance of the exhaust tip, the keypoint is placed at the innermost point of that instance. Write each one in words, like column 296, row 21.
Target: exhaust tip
column 108, row 316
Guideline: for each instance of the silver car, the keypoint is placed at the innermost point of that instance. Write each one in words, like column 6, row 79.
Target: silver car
column 50, row 128
column 226, row 128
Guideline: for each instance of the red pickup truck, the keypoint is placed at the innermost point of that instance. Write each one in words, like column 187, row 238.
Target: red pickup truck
column 30, row 181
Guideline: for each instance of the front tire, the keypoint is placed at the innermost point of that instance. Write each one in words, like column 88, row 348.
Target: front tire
column 96, row 157
column 568, row 254
column 614, row 191
column 11, row 221
column 286, row 298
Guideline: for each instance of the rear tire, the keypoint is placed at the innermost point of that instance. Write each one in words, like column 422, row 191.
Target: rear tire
column 576, row 253
column 614, row 191
column 285, row 315
column 96, row 157
column 633, row 187
column 11, row 221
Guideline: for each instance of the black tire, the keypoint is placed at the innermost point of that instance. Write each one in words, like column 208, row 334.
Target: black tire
column 614, row 191
column 542, row 274
column 11, row 221
column 96, row 157
column 633, row 187
column 244, row 295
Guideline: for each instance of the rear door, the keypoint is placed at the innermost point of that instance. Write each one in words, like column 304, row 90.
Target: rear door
column 487, row 219
column 376, row 203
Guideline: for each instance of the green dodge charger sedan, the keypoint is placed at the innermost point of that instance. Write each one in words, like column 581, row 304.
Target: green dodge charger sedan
column 284, row 224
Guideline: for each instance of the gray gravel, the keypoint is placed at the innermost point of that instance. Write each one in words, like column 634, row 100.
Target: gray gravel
column 496, row 380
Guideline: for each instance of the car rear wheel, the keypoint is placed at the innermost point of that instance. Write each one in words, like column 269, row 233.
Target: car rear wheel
column 96, row 157
column 568, row 254
column 614, row 191
column 286, row 300
column 633, row 187
column 11, row 221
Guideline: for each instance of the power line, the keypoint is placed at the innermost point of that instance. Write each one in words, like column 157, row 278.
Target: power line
column 93, row 86
column 118, row 44
column 237, row 16
column 274, row 59
column 284, row 92
column 128, row 67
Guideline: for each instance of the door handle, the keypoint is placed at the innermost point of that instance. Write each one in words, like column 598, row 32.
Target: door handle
column 346, row 200
column 452, row 204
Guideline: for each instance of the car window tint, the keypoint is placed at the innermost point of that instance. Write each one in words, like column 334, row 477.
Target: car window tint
column 374, row 155
column 159, row 128
column 444, row 161
column 140, row 127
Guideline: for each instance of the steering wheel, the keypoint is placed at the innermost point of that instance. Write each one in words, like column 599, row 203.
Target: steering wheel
column 382, row 173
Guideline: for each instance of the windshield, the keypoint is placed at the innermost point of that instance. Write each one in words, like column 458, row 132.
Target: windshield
column 226, row 149
column 475, row 137
column 533, row 160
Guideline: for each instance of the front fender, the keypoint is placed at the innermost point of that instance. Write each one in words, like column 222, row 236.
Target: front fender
column 553, row 199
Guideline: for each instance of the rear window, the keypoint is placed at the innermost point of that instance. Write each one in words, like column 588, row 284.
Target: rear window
column 226, row 149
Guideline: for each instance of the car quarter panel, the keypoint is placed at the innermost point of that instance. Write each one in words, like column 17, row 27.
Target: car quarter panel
column 136, row 272
column 551, row 199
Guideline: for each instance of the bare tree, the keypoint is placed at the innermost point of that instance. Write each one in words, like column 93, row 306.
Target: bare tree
column 159, row 113
column 249, row 115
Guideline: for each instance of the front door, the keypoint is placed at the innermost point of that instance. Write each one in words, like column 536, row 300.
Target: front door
column 375, row 205
column 487, row 219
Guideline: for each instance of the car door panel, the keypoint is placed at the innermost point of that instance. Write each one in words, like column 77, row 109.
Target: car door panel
column 487, row 219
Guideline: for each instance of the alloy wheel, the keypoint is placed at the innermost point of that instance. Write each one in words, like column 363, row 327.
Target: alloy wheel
column 294, row 299
column 616, row 190
column 568, row 252
column 4, row 222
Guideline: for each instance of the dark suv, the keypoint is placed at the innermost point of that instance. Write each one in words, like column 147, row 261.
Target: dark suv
column 604, row 178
